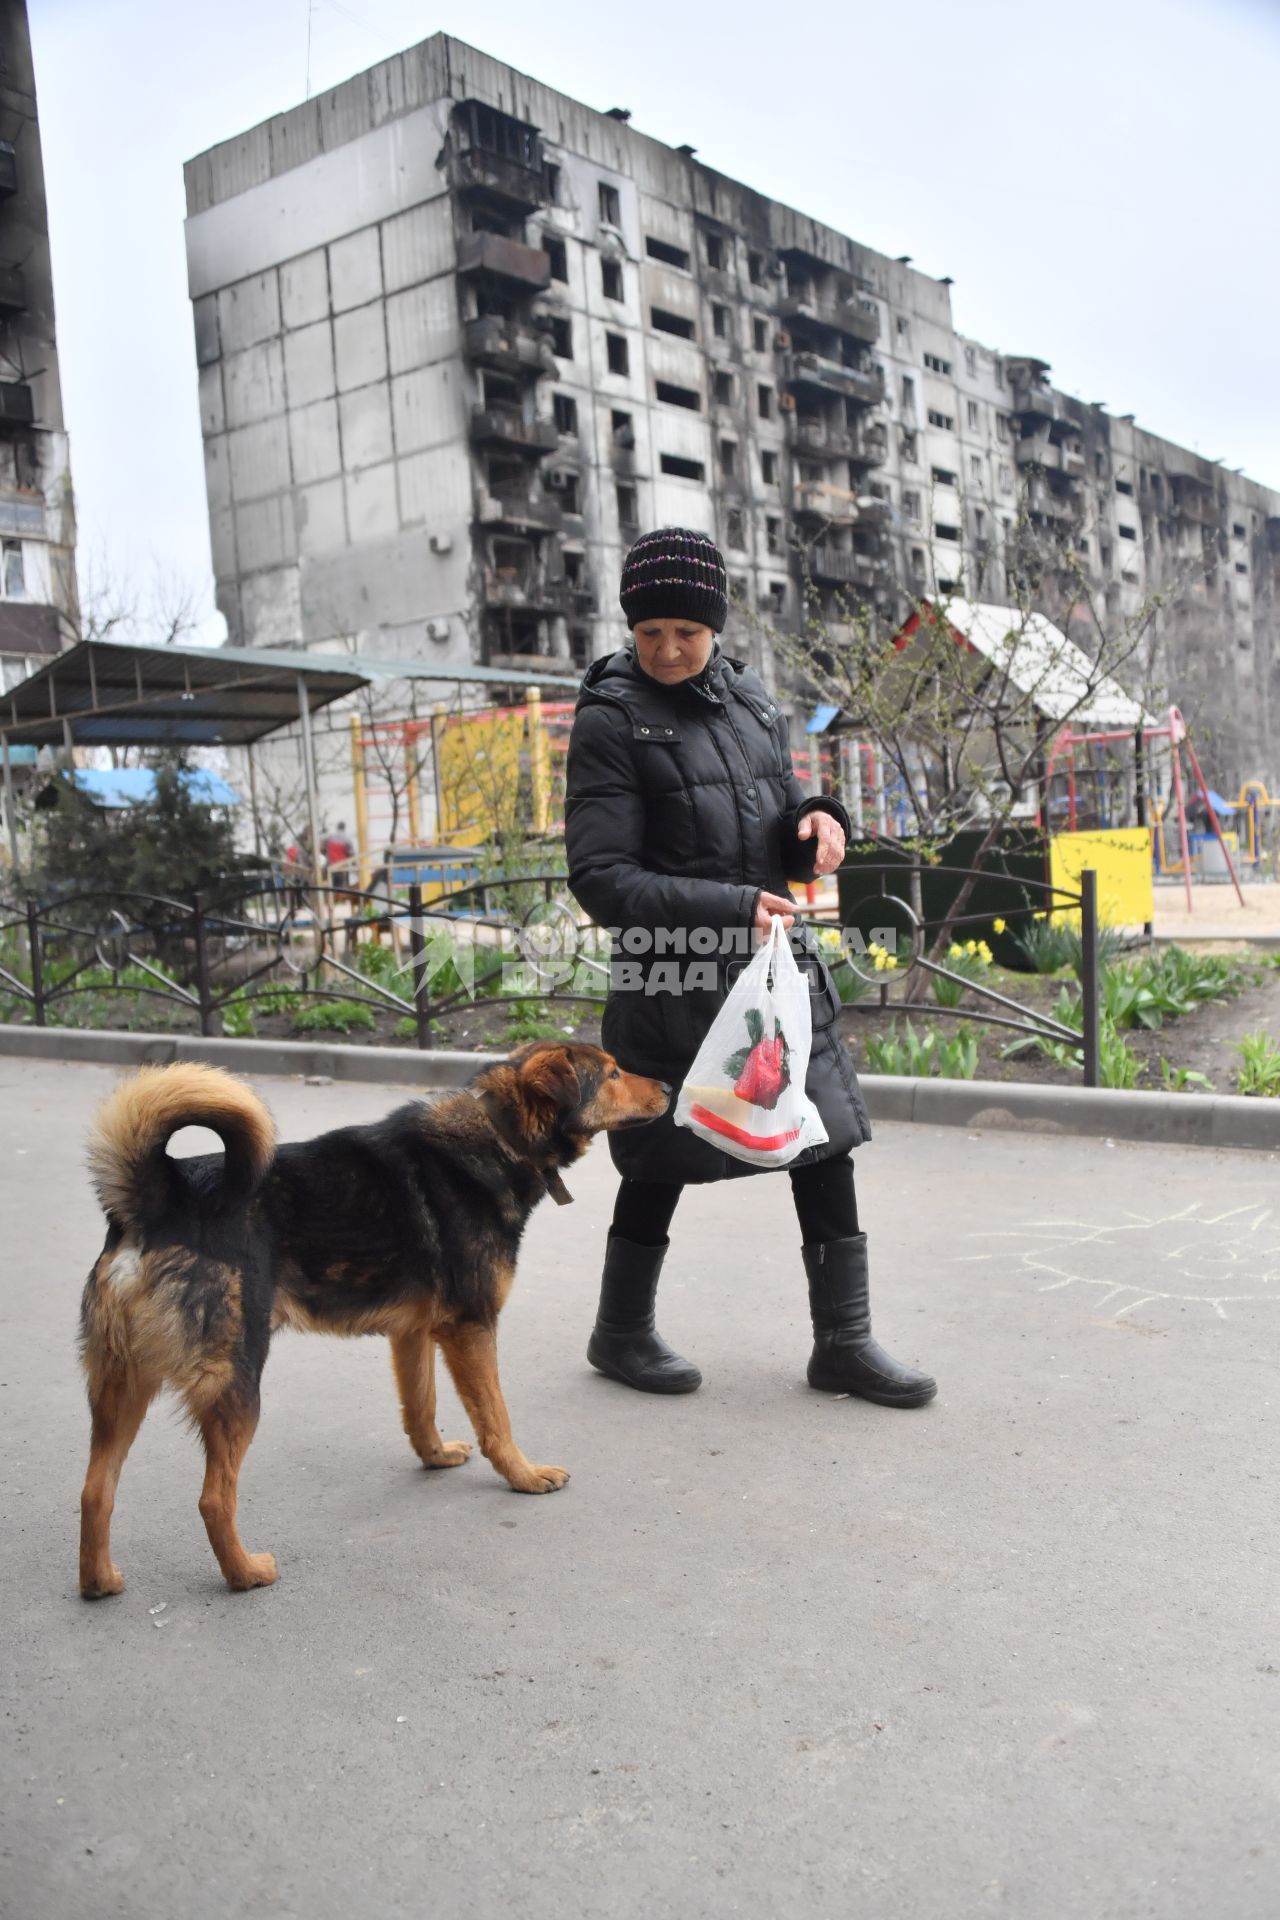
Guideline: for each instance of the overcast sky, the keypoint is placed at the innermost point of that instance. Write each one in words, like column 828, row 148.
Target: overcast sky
column 1100, row 180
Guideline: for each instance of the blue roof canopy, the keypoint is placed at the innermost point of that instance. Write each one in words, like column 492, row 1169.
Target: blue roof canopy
column 127, row 786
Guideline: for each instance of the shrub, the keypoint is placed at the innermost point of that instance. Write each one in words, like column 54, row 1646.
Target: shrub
column 1044, row 945
column 379, row 964
column 971, row 960
column 850, row 985
column 333, row 1016
column 1259, row 1072
column 920, row 1056
column 1111, row 944
column 169, row 844
column 1180, row 980
column 1118, row 1064
column 1178, row 1079
column 528, row 1024
column 278, row 1000
column 237, row 1018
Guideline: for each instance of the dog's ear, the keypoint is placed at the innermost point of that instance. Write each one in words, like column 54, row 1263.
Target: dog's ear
column 552, row 1075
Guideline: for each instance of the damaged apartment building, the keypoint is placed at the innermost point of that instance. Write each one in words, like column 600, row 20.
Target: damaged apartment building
column 460, row 338
column 38, row 604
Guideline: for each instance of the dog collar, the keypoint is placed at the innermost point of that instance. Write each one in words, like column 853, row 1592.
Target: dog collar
column 550, row 1176
column 556, row 1187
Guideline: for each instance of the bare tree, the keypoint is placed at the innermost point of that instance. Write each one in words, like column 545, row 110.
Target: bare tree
column 964, row 731
column 164, row 609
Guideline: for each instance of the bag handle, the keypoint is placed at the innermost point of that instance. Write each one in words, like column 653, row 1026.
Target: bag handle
column 776, row 931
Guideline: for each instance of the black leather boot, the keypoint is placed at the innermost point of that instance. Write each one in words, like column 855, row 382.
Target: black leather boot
column 625, row 1343
column 845, row 1357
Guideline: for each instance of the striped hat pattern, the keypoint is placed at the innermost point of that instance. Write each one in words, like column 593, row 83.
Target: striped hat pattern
column 675, row 574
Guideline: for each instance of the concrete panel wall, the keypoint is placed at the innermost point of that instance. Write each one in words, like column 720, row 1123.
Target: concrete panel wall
column 325, row 378
column 336, row 193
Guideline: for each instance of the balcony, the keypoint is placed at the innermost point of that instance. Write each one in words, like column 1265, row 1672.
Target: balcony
column 837, row 567
column 508, row 346
column 1044, row 503
column 819, row 436
column 508, row 262
column 859, row 319
column 525, row 589
column 1038, row 450
column 13, row 291
column 874, row 516
column 495, row 157
column 1033, row 402
column 17, row 404
column 871, row 444
column 501, row 182
column 826, row 502
column 1191, row 503
column 495, row 426
column 832, row 376
column 520, row 512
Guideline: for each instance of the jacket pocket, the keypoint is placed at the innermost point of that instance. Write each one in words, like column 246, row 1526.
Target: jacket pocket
column 670, row 836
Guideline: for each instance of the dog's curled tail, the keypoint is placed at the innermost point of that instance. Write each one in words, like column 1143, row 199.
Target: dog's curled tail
column 127, row 1160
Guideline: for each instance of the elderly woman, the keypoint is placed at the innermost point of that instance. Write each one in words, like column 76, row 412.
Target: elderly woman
column 684, row 822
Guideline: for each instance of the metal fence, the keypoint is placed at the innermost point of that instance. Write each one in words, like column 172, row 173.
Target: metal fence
column 232, row 946
column 1023, row 1019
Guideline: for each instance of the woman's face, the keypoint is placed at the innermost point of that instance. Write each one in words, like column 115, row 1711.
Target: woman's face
column 672, row 650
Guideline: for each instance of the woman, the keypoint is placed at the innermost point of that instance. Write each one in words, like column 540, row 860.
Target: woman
column 684, row 821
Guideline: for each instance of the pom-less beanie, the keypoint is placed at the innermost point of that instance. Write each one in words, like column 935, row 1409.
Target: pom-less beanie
column 675, row 574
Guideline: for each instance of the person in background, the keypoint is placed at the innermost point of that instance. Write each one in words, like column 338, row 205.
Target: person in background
column 338, row 853
column 683, row 813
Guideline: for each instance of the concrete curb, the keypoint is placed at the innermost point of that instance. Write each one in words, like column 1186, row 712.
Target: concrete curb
column 1171, row 1119
column 396, row 1065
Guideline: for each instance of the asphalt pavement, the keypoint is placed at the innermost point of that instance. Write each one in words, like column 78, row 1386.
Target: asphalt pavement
column 1015, row 1654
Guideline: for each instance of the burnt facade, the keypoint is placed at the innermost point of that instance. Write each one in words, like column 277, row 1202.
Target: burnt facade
column 461, row 337
column 38, row 607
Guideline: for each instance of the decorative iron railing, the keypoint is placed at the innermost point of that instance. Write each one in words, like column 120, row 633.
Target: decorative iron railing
column 253, row 948
column 525, row 941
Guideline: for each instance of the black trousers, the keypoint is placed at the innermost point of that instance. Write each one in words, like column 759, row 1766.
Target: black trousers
column 826, row 1206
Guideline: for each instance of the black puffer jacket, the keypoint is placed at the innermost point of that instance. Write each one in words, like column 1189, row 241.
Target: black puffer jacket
column 682, row 805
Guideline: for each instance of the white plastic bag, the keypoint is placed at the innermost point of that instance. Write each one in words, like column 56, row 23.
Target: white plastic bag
column 745, row 1091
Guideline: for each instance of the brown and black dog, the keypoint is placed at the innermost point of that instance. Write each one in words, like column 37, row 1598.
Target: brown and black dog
column 409, row 1227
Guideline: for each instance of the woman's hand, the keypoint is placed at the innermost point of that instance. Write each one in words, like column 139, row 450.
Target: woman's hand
column 770, row 903
column 830, row 840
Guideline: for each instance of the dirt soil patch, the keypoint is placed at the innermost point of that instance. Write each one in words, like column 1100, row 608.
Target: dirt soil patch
column 1204, row 1041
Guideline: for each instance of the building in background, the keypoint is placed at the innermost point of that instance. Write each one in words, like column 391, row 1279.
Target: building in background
column 38, row 604
column 460, row 338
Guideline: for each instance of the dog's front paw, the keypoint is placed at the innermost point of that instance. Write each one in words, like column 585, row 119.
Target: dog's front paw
column 535, row 1479
column 450, row 1453
column 100, row 1584
column 257, row 1570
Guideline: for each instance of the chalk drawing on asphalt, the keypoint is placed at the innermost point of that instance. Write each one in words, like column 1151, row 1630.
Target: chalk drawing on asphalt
column 1231, row 1258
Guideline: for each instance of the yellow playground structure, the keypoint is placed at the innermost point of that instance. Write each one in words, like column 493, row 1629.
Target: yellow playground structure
column 429, row 791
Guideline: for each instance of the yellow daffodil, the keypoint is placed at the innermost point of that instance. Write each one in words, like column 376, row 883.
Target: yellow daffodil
column 997, row 926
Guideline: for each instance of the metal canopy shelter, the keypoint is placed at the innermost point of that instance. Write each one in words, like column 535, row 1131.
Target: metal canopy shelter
column 100, row 693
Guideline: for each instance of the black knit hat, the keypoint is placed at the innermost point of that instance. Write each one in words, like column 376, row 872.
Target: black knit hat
column 675, row 574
